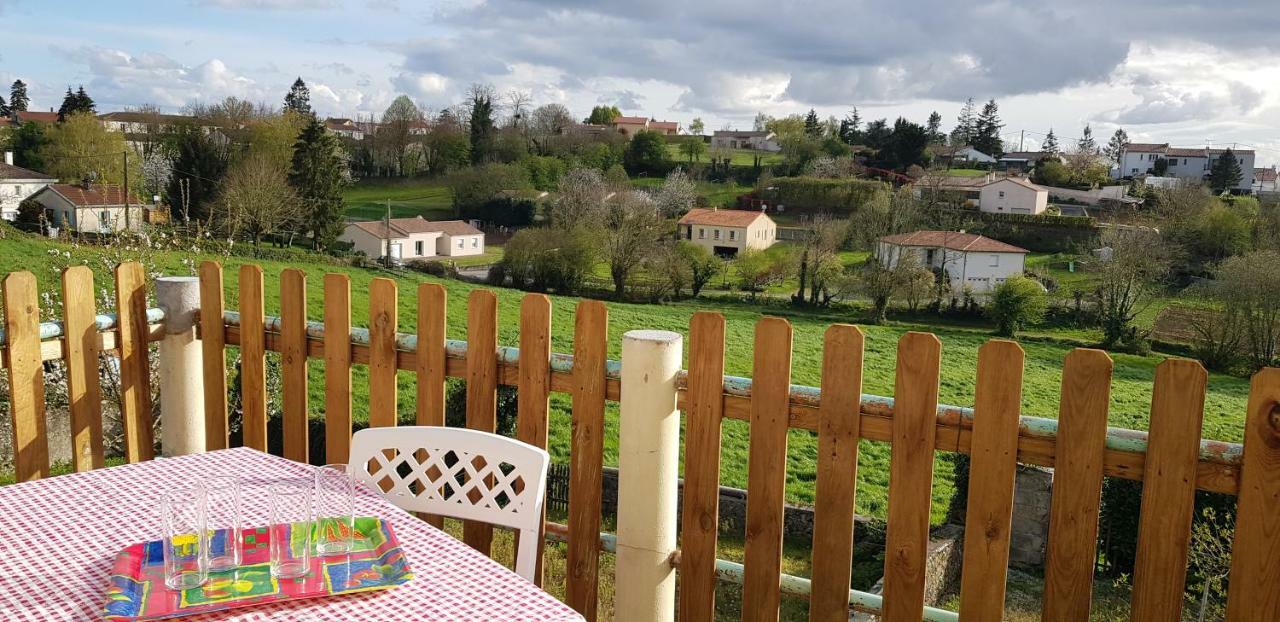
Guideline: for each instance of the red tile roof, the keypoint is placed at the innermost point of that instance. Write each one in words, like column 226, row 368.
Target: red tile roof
column 952, row 240
column 631, row 120
column 96, row 195
column 1021, row 181
column 1146, row 147
column 721, row 217
column 1186, row 152
column 1266, row 174
column 9, row 171
column 664, row 125
column 38, row 117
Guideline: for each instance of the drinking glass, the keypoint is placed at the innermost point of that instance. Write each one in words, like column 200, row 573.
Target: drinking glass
column 223, row 499
column 186, row 543
column 291, row 522
column 335, row 510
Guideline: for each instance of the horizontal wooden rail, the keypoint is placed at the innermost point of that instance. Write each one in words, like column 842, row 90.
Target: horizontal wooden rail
column 53, row 344
column 1125, row 456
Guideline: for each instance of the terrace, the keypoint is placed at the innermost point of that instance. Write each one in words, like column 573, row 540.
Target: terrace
column 655, row 543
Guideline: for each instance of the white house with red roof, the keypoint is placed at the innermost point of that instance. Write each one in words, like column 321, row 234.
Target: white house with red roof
column 408, row 239
column 98, row 208
column 16, row 184
column 727, row 232
column 1193, row 163
column 974, row 261
column 1012, row 195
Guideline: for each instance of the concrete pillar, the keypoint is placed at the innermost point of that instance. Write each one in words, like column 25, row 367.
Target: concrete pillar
column 648, row 471
column 181, row 367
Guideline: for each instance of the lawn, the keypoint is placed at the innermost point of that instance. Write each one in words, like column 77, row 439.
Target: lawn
column 738, row 157
column 966, row 172
column 1130, row 401
column 717, row 194
column 367, row 199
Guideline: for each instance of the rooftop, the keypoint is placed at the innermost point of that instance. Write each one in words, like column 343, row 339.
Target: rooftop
column 9, row 171
column 1021, row 181
column 401, row 227
column 93, row 195
column 952, row 240
column 721, row 217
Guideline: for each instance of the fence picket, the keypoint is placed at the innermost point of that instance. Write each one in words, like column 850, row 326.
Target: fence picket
column 213, row 346
column 84, row 344
column 534, row 389
column 482, row 389
column 1168, row 490
column 293, row 363
column 993, row 464
column 704, row 410
column 253, row 359
column 839, row 419
column 766, row 470
column 135, row 368
column 911, row 476
column 26, row 377
column 383, row 319
column 586, row 456
column 1255, row 555
column 337, row 368
column 1077, row 486
column 432, row 306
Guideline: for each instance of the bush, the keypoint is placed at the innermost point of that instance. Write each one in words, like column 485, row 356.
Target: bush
column 542, row 259
column 839, row 196
column 503, row 212
column 434, row 268
column 30, row 212
column 455, row 409
column 1015, row 303
column 647, row 154
column 544, row 171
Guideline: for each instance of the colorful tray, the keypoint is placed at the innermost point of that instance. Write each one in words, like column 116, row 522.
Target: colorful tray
column 137, row 590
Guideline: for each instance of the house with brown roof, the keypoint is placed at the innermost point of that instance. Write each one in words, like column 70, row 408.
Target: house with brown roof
column 345, row 128
column 407, row 239
column 1189, row 163
column 630, row 125
column 16, row 184
column 966, row 260
column 1012, row 195
column 727, row 232
column 97, row 208
column 18, row 117
column 1267, row 179
column 734, row 139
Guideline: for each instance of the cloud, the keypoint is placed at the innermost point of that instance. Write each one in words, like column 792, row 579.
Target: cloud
column 625, row 99
column 267, row 5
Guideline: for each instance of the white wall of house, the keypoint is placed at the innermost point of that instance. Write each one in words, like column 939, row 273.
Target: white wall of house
column 761, row 234
column 460, row 245
column 980, row 271
column 1008, row 197
column 1136, row 163
column 61, row 213
column 414, row 246
column 14, row 191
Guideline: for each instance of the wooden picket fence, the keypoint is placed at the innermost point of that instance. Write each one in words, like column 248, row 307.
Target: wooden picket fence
column 1172, row 461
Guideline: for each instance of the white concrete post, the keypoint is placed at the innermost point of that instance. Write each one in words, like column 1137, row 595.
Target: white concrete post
column 648, row 470
column 181, row 367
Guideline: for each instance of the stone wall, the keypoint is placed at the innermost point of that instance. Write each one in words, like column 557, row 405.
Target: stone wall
column 1033, row 492
column 941, row 572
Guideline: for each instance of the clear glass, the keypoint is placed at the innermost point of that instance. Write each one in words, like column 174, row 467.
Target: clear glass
column 291, row 522
column 223, row 499
column 186, row 542
column 335, row 510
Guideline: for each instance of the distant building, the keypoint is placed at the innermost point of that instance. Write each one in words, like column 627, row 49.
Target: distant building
column 1193, row 163
column 727, row 232
column 734, row 139
column 16, row 184
column 1267, row 179
column 1023, row 161
column 967, row 260
column 964, row 154
column 139, row 122
column 628, row 126
column 414, row 238
column 1012, row 195
column 96, row 208
column 344, row 128
column 18, row 117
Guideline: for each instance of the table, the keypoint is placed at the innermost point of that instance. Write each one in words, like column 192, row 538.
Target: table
column 59, row 536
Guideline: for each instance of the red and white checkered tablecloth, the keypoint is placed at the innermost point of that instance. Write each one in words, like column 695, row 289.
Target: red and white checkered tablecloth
column 59, row 537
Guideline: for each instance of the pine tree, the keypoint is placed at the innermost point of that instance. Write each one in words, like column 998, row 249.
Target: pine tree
column 4, row 108
column 1050, row 144
column 84, row 103
column 482, row 128
column 76, row 102
column 298, row 99
column 68, row 105
column 934, row 129
column 1225, row 174
column 965, row 125
column 1086, row 144
column 986, row 131
column 318, row 175
column 18, row 100
column 812, row 127
column 1115, row 148
column 851, row 127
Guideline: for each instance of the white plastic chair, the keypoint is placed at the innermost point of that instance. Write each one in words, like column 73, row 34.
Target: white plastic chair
column 462, row 473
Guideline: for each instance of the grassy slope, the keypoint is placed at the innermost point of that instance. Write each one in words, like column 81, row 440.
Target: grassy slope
column 367, row 200
column 1131, row 389
column 740, row 157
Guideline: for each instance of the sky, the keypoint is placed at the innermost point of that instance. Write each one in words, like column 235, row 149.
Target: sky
column 1191, row 73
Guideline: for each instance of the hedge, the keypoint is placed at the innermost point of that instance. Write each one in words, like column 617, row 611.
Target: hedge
column 840, row 196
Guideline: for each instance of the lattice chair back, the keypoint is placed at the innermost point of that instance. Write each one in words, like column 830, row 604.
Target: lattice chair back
column 458, row 473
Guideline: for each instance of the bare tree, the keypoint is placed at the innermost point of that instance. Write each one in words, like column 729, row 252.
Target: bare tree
column 631, row 229
column 818, row 261
column 546, row 122
column 518, row 103
column 1129, row 280
column 1245, row 286
column 581, row 202
column 256, row 199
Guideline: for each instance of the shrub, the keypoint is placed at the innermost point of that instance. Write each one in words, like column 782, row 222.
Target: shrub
column 434, row 268
column 841, row 196
column 1015, row 303
column 503, row 212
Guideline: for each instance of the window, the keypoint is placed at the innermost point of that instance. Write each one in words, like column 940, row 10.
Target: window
column 995, row 261
column 702, row 233
column 1002, row 194
column 733, row 235
column 475, row 242
column 417, row 248
column 461, row 243
column 1135, row 171
column 716, row 234
column 17, row 190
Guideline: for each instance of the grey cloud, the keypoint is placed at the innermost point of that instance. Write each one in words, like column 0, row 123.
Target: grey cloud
column 1163, row 104
column 267, row 5
column 625, row 99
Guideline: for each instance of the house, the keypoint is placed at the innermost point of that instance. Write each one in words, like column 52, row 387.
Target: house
column 98, row 208
column 1193, row 163
column 344, row 128
column 666, row 128
column 143, row 122
column 964, row 188
column 18, row 117
column 16, row 184
column 1012, row 195
column 756, row 141
column 628, row 126
column 967, row 260
column 1266, row 179
column 964, row 154
column 414, row 238
column 727, row 232
column 1022, row 160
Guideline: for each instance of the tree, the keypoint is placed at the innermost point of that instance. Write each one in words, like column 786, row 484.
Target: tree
column 812, row 127
column 396, row 134
column 676, row 195
column 850, row 127
column 18, row 100
column 199, row 163
column 757, row 270
column 546, row 123
column 81, row 148
column 1225, row 173
column 1015, row 303
column 543, row 258
column 818, row 262
column 1086, row 144
column 275, row 137
column 298, row 99
column 475, row 186
column 1116, row 146
column 986, row 136
column 482, row 127
column 1050, row 144
column 906, row 145
column 703, row 265
column 603, row 115
column 879, row 283
column 693, row 147
column 1129, row 280
column 1246, row 285
column 933, row 129
column 761, row 122
column 632, row 228
column 27, row 142
column 255, row 199
column 696, row 126
column 73, row 103
column 647, row 153
column 581, row 199
column 966, row 125
column 4, row 109
column 318, row 176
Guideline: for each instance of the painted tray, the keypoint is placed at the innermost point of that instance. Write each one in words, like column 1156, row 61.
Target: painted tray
column 137, row 590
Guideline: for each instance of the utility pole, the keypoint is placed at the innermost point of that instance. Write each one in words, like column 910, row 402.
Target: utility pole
column 1021, row 135
column 128, row 222
column 386, row 221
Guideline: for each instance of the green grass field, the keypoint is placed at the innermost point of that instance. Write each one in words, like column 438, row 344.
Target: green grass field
column 738, row 157
column 367, row 199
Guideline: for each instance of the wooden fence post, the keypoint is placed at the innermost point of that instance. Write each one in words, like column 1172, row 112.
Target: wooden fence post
column 648, row 468
column 181, row 367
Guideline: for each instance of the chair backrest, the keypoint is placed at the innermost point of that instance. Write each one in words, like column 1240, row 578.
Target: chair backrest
column 455, row 472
